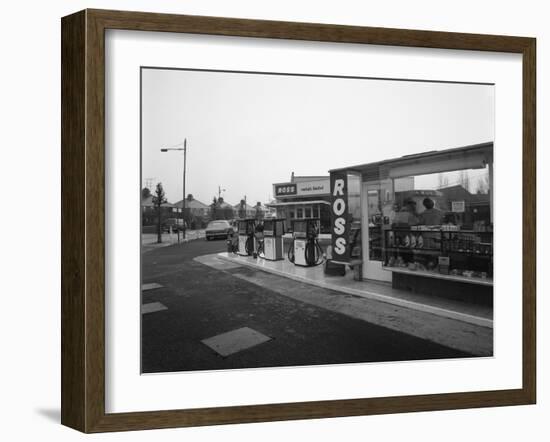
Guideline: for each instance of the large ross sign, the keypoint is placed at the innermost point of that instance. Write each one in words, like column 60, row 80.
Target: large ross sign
column 340, row 220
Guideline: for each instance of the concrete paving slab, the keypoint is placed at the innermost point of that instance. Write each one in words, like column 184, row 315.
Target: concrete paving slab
column 150, row 286
column 153, row 307
column 234, row 341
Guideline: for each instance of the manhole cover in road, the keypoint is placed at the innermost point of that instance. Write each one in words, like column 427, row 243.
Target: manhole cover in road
column 234, row 341
column 153, row 307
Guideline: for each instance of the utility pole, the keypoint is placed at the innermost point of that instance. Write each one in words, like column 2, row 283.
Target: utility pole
column 184, row 201
column 184, row 149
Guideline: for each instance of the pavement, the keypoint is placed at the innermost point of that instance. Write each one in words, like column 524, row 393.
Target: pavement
column 149, row 240
column 202, row 313
column 467, row 312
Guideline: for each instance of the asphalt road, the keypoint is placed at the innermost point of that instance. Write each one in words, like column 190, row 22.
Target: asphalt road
column 202, row 302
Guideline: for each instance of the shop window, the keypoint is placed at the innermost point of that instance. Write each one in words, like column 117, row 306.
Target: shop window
column 307, row 211
column 436, row 222
column 354, row 211
column 324, row 215
column 460, row 198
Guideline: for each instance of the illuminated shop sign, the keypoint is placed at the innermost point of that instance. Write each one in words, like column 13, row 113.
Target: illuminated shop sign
column 304, row 188
column 340, row 221
column 285, row 189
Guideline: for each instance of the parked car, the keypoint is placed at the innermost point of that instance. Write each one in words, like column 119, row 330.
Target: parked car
column 175, row 223
column 218, row 229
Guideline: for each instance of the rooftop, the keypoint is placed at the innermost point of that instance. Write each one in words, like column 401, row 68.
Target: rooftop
column 483, row 151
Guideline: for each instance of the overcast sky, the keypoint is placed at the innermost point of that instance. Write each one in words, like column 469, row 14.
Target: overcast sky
column 247, row 131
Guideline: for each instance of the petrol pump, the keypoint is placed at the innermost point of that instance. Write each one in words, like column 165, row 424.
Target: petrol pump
column 305, row 249
column 274, row 230
column 246, row 228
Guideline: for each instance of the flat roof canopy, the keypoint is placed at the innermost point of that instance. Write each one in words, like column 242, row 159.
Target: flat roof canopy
column 475, row 156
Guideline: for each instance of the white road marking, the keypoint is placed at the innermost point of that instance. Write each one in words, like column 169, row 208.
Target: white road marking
column 152, row 307
column 234, row 341
column 150, row 286
column 215, row 262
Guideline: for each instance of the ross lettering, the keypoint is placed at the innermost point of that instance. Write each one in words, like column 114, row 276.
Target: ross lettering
column 340, row 226
column 339, row 207
column 338, row 187
column 340, row 246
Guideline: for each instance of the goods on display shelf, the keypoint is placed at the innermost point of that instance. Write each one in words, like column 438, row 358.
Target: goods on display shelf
column 461, row 253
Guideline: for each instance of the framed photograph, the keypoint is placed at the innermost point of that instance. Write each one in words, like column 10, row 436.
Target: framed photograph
column 269, row 220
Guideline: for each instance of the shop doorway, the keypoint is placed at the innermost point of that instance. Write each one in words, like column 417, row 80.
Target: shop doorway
column 372, row 200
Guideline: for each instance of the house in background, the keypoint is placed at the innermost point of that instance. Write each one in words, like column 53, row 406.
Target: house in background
column 196, row 212
column 258, row 211
column 244, row 210
column 219, row 209
column 148, row 213
column 193, row 207
column 467, row 207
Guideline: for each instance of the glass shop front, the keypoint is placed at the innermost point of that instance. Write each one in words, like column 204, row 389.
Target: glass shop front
column 423, row 222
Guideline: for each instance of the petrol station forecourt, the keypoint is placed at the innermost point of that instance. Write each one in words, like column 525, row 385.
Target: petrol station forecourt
column 190, row 295
column 374, row 240
column 306, row 267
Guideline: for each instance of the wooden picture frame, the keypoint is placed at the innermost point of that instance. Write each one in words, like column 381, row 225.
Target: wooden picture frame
column 83, row 220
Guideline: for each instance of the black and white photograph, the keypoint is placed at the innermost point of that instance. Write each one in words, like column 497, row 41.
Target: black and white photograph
column 301, row 219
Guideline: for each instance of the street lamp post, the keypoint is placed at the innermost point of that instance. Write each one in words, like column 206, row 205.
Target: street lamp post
column 184, row 149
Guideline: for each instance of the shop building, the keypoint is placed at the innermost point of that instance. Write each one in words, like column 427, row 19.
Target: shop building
column 425, row 221
column 303, row 197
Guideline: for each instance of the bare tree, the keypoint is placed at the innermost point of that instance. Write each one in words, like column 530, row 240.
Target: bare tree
column 158, row 200
column 214, row 208
column 259, row 214
column 242, row 209
column 442, row 181
column 464, row 180
column 483, row 185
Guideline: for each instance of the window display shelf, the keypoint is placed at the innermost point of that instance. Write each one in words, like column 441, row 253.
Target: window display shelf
column 467, row 249
column 412, row 250
column 438, row 230
column 430, row 274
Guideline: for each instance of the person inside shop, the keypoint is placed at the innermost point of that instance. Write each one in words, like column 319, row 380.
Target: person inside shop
column 431, row 216
column 394, row 210
column 449, row 220
column 407, row 215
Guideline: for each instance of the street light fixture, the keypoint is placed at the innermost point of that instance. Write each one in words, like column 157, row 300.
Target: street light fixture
column 184, row 149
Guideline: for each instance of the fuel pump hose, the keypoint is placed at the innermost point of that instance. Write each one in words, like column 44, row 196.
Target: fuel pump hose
column 249, row 245
column 312, row 249
column 290, row 253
